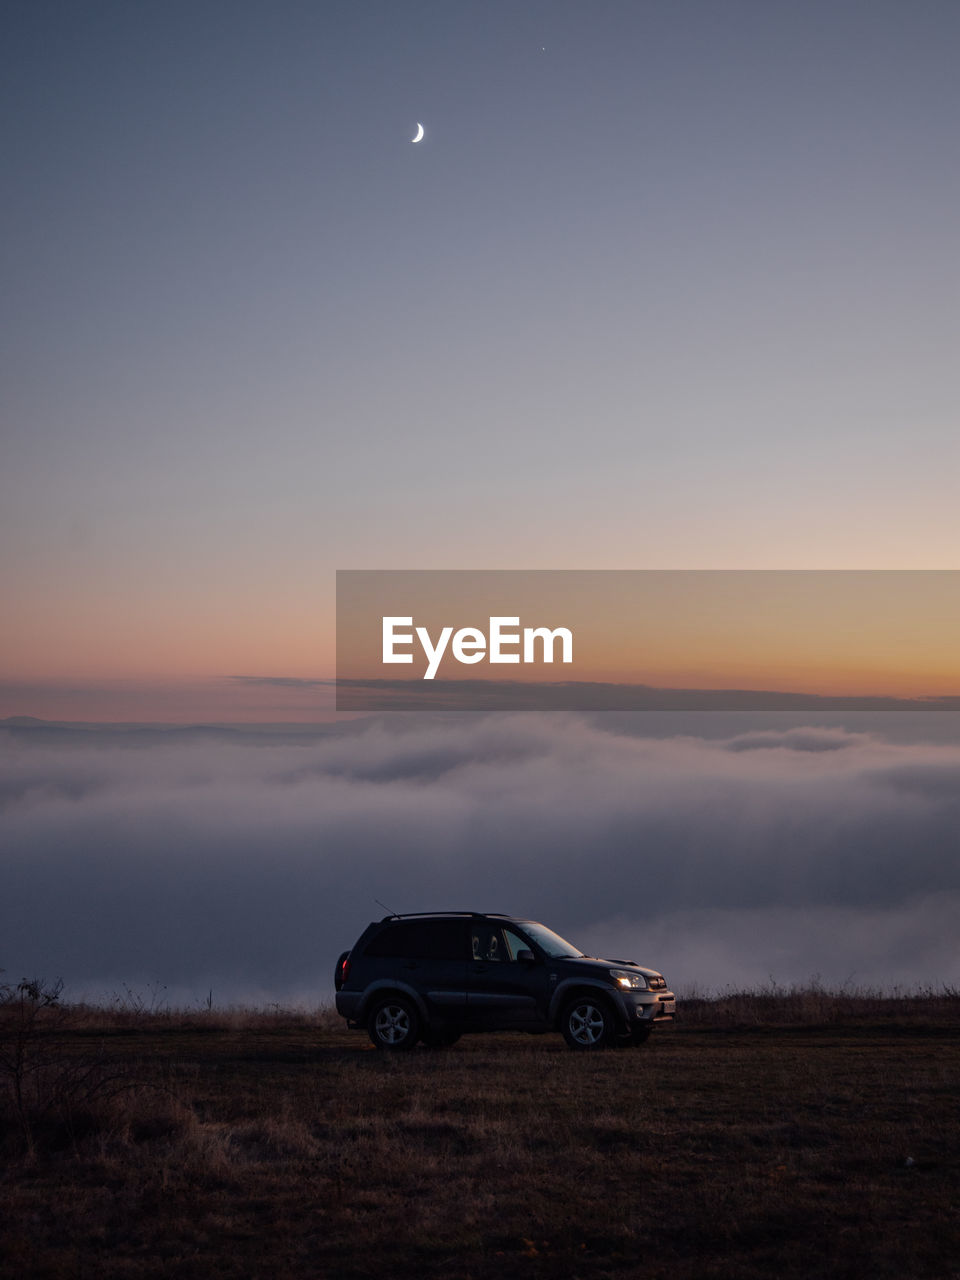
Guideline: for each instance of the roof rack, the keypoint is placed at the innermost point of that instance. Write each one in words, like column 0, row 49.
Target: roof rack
column 420, row 915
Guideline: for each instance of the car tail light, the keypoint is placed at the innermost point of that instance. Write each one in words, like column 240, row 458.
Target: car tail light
column 345, row 969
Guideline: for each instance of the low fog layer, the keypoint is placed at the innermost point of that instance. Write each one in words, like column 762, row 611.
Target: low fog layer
column 243, row 863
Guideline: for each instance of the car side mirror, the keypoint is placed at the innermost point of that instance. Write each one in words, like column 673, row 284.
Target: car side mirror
column 526, row 956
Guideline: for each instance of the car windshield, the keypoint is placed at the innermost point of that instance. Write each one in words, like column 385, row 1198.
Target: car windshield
column 549, row 941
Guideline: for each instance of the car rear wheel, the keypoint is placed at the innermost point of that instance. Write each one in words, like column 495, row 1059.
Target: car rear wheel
column 587, row 1023
column 393, row 1023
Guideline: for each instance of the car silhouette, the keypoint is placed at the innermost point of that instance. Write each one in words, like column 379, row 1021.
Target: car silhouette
column 433, row 976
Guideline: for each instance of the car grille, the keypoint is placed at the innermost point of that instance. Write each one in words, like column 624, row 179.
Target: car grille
column 656, row 984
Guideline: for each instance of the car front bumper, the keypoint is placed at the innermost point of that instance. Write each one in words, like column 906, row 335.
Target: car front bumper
column 648, row 1006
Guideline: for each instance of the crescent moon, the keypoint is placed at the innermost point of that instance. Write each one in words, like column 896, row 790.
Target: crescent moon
column 419, row 132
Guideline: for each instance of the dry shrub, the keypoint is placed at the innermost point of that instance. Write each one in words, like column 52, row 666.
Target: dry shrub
column 51, row 1089
column 813, row 1004
column 136, row 1017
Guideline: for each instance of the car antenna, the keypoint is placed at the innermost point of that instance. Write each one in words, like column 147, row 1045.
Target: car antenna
column 386, row 908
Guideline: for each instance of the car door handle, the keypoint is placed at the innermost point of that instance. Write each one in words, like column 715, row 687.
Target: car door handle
column 411, row 964
column 480, row 968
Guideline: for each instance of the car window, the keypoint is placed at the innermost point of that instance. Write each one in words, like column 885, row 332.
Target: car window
column 549, row 941
column 421, row 940
column 487, row 943
column 515, row 943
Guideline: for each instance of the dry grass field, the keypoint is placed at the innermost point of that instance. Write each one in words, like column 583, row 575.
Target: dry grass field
column 788, row 1134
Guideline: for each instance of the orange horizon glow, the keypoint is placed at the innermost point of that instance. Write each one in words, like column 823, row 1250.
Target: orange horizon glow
column 833, row 633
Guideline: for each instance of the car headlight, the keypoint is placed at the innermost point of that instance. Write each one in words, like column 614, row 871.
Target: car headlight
column 628, row 980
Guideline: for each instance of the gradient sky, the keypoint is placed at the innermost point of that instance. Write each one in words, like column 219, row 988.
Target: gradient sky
column 664, row 285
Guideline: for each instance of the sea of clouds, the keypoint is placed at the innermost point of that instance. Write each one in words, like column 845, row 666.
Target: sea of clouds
column 173, row 863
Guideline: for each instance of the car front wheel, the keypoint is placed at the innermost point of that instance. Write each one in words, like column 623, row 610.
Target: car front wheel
column 393, row 1024
column 587, row 1023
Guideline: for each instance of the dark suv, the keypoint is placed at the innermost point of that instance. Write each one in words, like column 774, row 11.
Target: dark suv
column 432, row 977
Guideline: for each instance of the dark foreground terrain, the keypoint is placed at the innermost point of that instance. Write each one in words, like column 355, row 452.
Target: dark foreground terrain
column 737, row 1144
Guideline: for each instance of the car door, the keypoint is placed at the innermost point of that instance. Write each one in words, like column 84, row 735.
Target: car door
column 503, row 991
column 431, row 957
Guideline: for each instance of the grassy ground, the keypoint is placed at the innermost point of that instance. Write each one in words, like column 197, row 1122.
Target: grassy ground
column 737, row 1145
